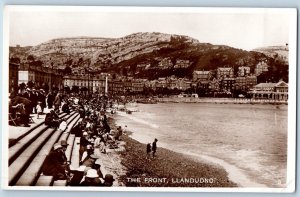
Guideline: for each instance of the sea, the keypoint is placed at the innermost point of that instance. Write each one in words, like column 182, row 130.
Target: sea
column 248, row 141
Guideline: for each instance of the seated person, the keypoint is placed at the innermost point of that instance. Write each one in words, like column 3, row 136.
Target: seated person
column 84, row 142
column 23, row 106
column 52, row 119
column 119, row 133
column 91, row 178
column 97, row 166
column 17, row 113
column 54, row 164
column 108, row 180
column 63, row 125
column 88, row 157
column 77, row 176
column 65, row 108
column 99, row 145
column 77, row 130
column 81, row 112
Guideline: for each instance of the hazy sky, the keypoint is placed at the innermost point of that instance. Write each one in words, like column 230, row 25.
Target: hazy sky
column 241, row 30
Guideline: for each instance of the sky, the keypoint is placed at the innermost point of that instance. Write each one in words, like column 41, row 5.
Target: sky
column 237, row 28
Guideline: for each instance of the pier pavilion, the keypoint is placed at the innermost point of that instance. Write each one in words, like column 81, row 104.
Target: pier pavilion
column 274, row 91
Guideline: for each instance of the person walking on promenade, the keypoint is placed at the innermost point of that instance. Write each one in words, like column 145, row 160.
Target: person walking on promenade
column 39, row 110
column 42, row 99
column 49, row 100
column 148, row 150
column 33, row 98
column 154, row 147
column 57, row 102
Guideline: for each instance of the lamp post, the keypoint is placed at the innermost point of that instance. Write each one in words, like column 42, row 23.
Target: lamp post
column 88, row 71
column 88, row 81
column 50, row 88
column 106, row 83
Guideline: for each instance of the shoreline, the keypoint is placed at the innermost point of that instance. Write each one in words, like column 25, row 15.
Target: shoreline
column 167, row 169
column 221, row 100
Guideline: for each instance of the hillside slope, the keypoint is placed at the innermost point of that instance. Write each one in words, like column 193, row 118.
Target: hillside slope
column 143, row 54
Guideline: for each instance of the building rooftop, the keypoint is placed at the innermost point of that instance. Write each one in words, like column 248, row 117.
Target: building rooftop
column 225, row 68
column 265, row 85
column 199, row 72
column 281, row 84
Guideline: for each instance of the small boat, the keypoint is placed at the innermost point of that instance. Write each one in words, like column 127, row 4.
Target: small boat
column 147, row 101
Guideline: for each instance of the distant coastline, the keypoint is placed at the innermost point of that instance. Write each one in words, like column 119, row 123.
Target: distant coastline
column 220, row 100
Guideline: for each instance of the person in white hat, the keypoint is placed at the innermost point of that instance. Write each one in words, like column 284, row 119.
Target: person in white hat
column 91, row 179
column 57, row 146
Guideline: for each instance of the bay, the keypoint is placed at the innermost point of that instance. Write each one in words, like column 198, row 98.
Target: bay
column 249, row 141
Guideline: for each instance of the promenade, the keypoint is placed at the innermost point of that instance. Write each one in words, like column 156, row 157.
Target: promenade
column 29, row 147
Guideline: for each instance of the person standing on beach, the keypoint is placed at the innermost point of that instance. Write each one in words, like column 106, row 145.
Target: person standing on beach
column 154, row 147
column 148, row 151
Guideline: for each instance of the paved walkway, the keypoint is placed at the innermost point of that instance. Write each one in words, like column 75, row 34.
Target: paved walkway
column 17, row 131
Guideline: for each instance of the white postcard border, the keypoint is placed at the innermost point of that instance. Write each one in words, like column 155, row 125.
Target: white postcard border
column 291, row 161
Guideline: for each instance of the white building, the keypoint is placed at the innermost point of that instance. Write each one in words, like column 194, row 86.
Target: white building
column 95, row 83
column 243, row 71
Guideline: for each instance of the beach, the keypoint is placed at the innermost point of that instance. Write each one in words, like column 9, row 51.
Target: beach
column 167, row 169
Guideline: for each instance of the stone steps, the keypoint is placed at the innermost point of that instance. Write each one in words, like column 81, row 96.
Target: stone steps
column 32, row 172
column 29, row 157
column 61, row 115
column 16, row 150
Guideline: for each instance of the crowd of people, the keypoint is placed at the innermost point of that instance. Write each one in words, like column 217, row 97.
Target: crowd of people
column 34, row 101
column 96, row 136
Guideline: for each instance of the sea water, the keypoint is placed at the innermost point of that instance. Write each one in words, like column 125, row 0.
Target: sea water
column 248, row 141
